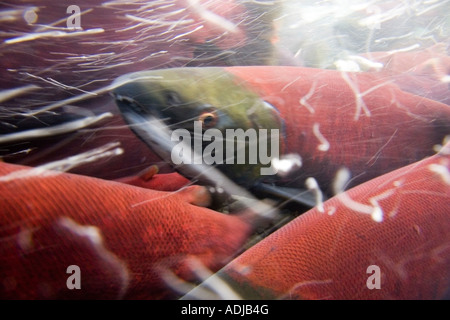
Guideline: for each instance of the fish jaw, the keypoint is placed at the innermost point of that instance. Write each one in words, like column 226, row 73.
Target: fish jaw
column 182, row 97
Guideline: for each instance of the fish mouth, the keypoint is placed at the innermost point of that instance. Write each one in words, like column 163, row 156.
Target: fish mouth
column 146, row 123
column 143, row 114
column 127, row 103
column 141, row 94
column 157, row 135
column 130, row 93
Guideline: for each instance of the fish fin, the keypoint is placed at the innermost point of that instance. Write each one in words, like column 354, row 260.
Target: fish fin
column 149, row 178
column 196, row 195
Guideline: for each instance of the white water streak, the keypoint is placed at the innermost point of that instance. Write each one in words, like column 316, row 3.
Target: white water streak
column 53, row 130
column 56, row 167
column 52, row 34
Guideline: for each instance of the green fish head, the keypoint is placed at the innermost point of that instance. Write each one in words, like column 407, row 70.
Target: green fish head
column 212, row 97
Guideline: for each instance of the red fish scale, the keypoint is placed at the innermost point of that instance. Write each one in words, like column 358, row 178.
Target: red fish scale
column 143, row 229
column 320, row 256
column 401, row 128
column 230, row 10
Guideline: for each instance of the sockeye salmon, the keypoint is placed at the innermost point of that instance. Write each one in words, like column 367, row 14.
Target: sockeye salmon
column 342, row 253
column 422, row 72
column 122, row 238
column 330, row 119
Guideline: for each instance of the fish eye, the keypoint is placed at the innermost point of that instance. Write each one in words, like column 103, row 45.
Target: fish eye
column 172, row 98
column 208, row 119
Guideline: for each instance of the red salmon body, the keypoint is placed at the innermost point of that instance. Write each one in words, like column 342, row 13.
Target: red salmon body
column 341, row 252
column 122, row 238
column 356, row 120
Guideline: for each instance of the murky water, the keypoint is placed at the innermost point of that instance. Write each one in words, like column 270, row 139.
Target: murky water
column 357, row 89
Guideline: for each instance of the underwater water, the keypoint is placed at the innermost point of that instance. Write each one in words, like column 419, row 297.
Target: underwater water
column 236, row 149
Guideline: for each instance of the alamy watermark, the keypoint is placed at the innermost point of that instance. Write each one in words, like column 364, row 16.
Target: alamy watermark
column 241, row 147
column 73, row 281
column 374, row 281
column 73, row 22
